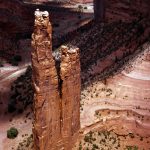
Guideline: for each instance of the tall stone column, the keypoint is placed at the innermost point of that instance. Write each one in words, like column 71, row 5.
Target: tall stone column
column 71, row 88
column 99, row 10
column 57, row 90
column 46, row 126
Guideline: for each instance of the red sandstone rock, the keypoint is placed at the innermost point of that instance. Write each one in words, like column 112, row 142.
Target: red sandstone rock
column 56, row 105
column 46, row 98
column 71, row 87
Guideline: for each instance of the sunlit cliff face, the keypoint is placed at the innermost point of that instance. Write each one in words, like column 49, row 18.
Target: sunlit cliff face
column 42, row 26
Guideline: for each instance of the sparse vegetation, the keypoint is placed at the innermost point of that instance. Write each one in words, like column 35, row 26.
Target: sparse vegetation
column 131, row 148
column 131, row 135
column 27, row 143
column 1, row 63
column 100, row 139
column 80, row 146
column 12, row 133
column 21, row 93
column 56, row 25
column 15, row 60
column 104, row 139
column 95, row 146
column 80, row 8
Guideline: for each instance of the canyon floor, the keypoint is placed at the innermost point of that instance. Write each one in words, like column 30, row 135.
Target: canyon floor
column 115, row 112
column 19, row 121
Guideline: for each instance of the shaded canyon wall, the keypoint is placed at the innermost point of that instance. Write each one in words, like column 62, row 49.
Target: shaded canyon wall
column 99, row 10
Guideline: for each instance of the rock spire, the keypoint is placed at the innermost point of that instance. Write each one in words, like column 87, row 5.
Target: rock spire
column 57, row 90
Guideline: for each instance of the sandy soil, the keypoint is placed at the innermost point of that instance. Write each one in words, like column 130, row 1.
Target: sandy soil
column 122, row 104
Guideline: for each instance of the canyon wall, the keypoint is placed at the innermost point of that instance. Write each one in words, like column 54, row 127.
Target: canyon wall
column 15, row 23
column 99, row 10
column 57, row 90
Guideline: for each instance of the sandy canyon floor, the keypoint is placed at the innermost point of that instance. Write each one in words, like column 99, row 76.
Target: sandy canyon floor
column 115, row 113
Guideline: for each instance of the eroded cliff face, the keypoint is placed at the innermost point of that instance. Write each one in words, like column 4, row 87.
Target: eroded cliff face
column 57, row 90
column 70, row 92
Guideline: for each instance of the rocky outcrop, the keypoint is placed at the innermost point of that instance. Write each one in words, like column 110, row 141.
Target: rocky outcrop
column 56, row 103
column 70, row 93
column 45, row 81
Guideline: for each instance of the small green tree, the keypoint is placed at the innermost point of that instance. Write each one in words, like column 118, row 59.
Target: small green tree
column 80, row 8
column 12, row 133
column 17, row 58
column 80, row 146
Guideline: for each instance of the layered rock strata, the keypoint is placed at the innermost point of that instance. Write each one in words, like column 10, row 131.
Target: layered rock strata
column 57, row 90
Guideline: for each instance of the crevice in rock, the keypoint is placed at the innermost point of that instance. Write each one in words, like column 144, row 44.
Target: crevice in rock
column 60, row 83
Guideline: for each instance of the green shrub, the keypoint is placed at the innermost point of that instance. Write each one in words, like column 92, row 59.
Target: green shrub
column 12, row 133
column 17, row 58
column 131, row 148
column 11, row 108
column 95, row 146
column 14, row 63
column 80, row 7
column 87, row 139
column 80, row 146
column 56, row 25
column 1, row 63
